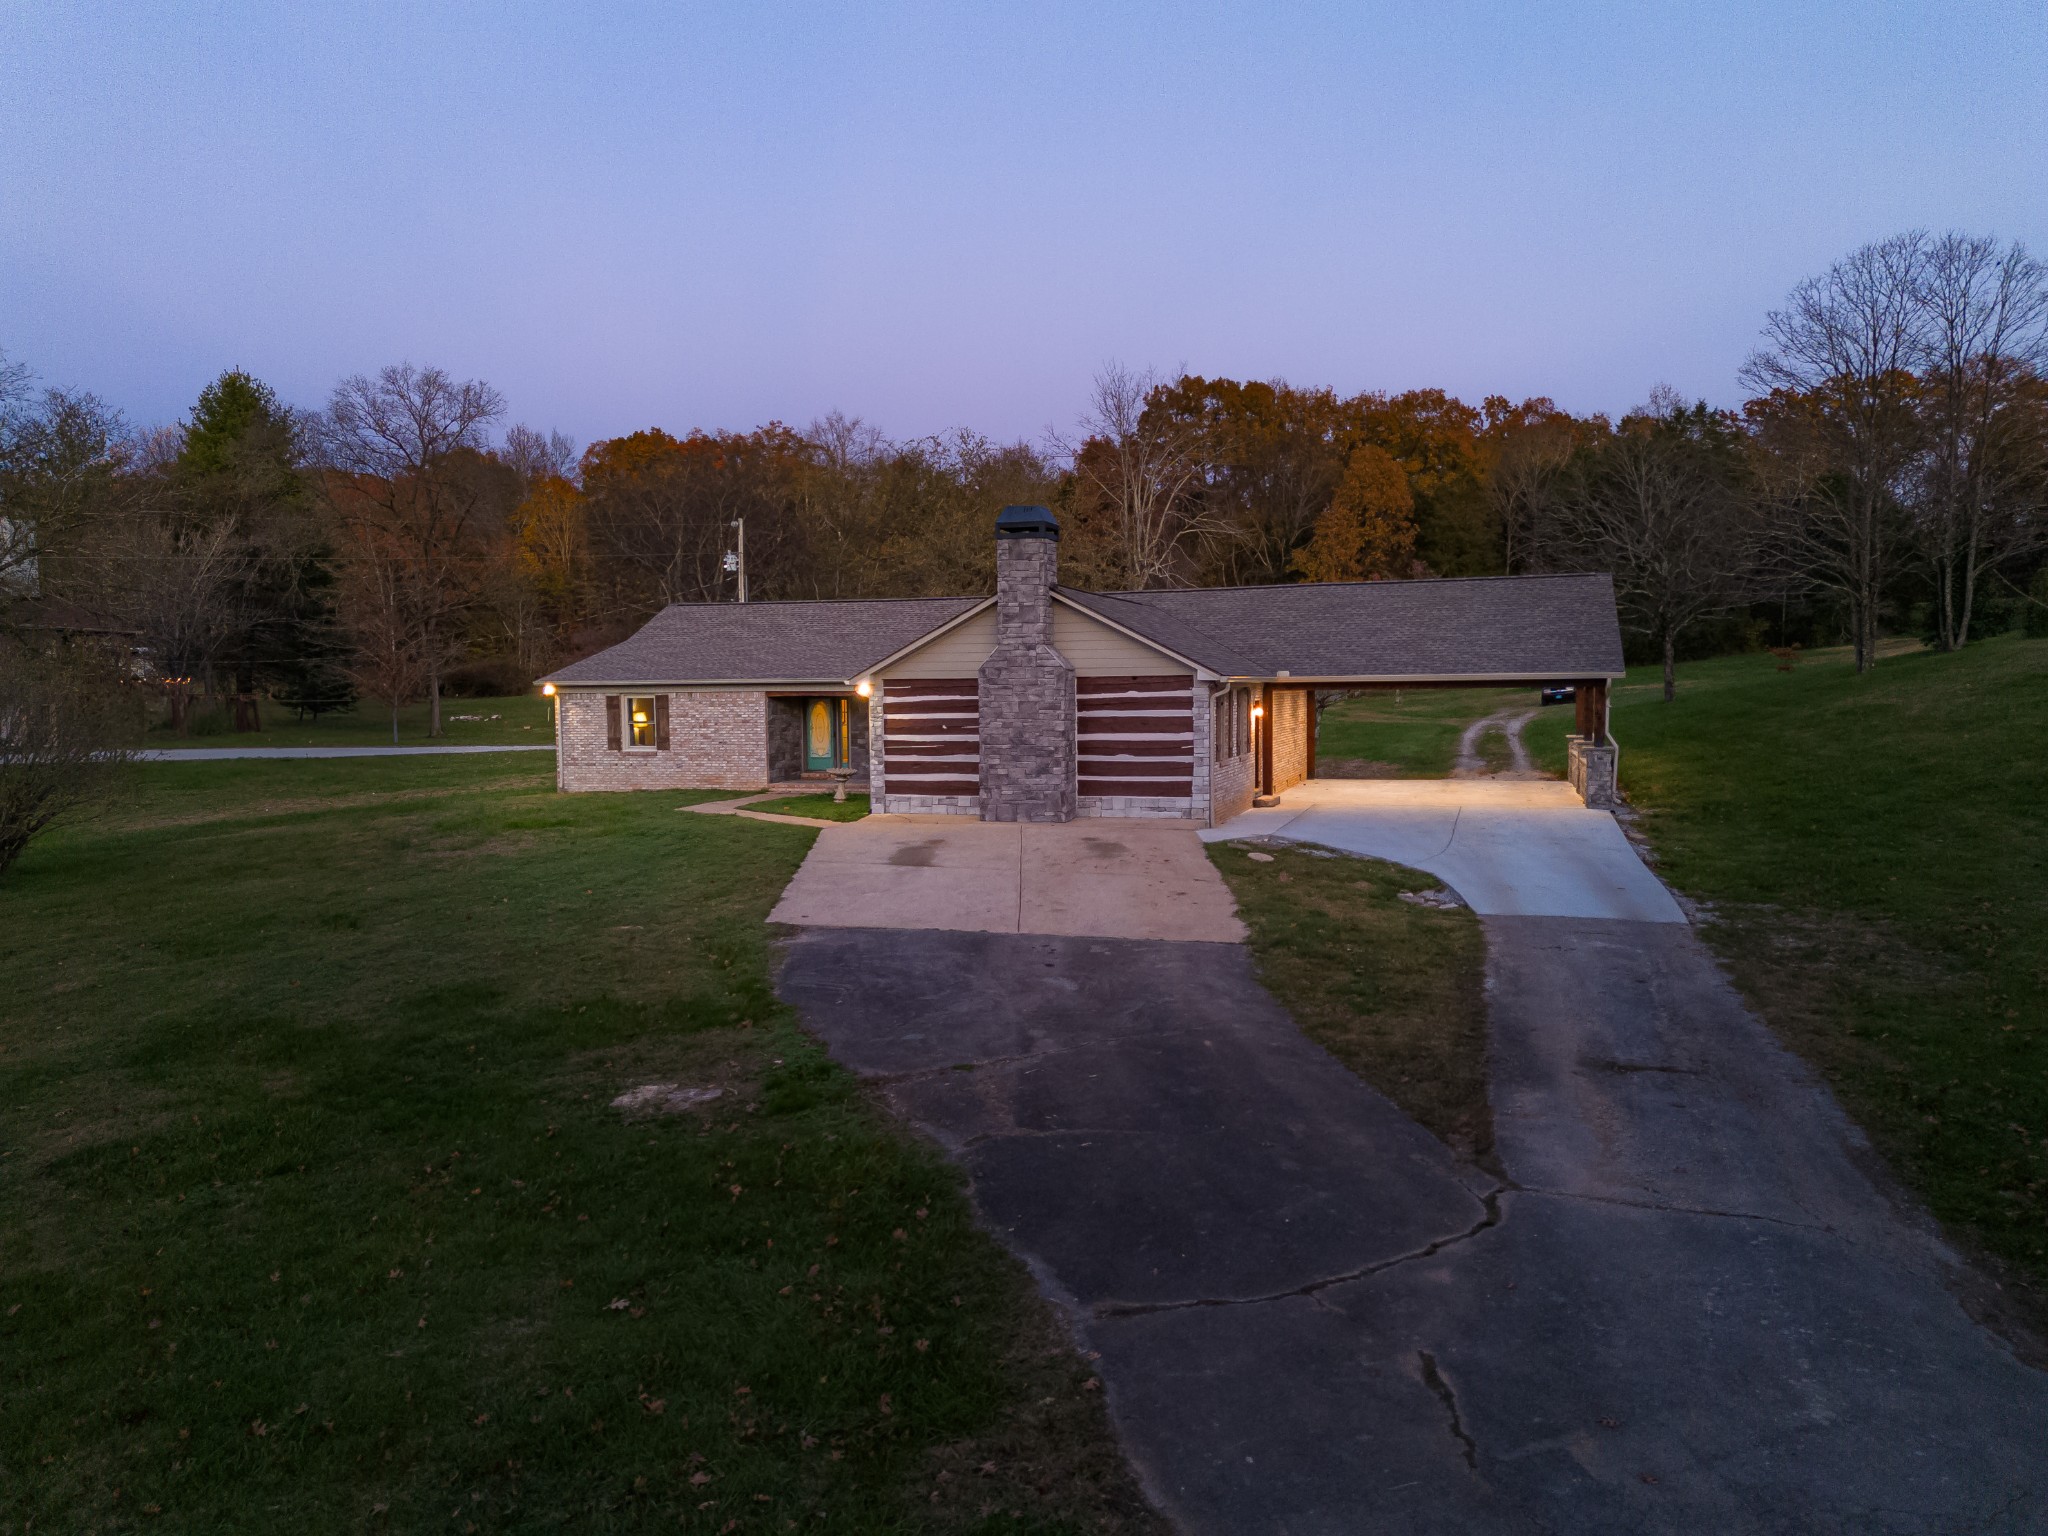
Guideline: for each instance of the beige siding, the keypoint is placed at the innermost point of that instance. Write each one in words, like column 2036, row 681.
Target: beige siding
column 959, row 652
column 1096, row 650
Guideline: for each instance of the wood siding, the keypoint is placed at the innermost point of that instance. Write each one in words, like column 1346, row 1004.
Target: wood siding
column 959, row 652
column 1137, row 735
column 931, row 736
column 1096, row 650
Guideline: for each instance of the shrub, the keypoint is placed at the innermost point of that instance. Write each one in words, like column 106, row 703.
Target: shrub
column 66, row 731
column 491, row 677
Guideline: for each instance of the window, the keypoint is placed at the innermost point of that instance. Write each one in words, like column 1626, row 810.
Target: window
column 640, row 723
column 1232, row 737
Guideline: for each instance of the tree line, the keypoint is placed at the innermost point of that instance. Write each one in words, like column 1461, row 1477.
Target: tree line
column 1889, row 470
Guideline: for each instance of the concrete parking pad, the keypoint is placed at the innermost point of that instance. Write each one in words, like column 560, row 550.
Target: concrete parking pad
column 1509, row 847
column 1102, row 878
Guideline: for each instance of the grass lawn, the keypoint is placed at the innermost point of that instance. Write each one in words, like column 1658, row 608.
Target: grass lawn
column 1393, row 990
column 524, row 718
column 315, row 1213
column 1875, row 854
column 817, row 807
column 1407, row 733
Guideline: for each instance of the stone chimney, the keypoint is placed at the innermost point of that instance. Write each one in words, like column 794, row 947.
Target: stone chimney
column 1027, row 687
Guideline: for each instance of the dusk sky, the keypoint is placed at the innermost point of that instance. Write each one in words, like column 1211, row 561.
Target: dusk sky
column 937, row 216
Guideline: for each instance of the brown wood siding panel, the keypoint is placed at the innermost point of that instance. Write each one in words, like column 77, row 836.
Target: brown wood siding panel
column 931, row 736
column 1135, row 736
column 1165, row 789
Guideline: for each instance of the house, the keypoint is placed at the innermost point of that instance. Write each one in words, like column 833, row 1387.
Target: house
column 1046, row 703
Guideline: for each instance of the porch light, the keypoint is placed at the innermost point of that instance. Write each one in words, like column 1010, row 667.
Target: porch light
column 1258, row 711
column 547, row 690
column 864, row 688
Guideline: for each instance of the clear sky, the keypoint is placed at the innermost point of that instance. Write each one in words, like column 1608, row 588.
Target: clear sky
column 932, row 216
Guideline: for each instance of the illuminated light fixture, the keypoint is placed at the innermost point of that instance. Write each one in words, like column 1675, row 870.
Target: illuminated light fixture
column 864, row 688
column 547, row 690
column 639, row 717
column 1258, row 711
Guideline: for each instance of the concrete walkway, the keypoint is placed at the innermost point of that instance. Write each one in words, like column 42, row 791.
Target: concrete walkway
column 1114, row 879
column 222, row 754
column 1687, row 1308
column 1510, row 847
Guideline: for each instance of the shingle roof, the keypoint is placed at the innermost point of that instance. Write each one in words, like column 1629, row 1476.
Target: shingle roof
column 1528, row 628
column 823, row 642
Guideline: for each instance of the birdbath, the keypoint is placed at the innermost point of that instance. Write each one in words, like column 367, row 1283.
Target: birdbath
column 840, row 775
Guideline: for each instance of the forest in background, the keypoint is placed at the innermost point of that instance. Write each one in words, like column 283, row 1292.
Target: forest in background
column 1889, row 473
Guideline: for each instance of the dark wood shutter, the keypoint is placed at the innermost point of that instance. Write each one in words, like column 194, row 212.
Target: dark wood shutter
column 1136, row 736
column 611, row 721
column 661, row 722
column 931, row 736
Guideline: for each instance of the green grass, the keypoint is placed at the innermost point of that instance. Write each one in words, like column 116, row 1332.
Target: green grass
column 817, row 807
column 525, row 719
column 1393, row 990
column 1874, row 851
column 1407, row 733
column 315, row 1213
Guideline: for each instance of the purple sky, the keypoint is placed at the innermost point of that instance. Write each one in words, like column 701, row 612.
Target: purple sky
column 936, row 216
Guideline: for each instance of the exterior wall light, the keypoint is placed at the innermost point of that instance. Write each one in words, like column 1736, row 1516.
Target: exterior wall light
column 1258, row 711
column 547, row 690
column 864, row 688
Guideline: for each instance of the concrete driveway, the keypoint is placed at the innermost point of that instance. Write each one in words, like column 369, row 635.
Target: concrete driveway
column 1111, row 879
column 1510, row 847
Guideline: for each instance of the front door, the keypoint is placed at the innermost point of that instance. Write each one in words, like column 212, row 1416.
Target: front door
column 827, row 741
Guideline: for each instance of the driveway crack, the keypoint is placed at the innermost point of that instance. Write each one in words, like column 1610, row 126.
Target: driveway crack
column 1433, row 1379
column 1490, row 1200
column 1680, row 1210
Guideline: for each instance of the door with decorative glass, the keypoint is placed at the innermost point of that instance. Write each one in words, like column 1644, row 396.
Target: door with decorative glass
column 827, row 735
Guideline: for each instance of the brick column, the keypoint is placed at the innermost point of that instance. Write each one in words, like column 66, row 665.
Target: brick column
column 1027, row 687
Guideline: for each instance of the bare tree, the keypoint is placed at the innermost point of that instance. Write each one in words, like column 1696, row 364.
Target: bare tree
column 1981, row 351
column 179, row 590
column 1838, row 368
column 1524, row 481
column 536, row 456
column 1140, row 467
column 66, row 731
column 1660, row 505
column 407, row 444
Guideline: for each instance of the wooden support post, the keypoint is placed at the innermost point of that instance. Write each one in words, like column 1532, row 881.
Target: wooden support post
column 1597, row 712
column 1582, row 709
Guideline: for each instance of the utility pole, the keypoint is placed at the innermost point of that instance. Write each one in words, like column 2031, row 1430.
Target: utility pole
column 736, row 560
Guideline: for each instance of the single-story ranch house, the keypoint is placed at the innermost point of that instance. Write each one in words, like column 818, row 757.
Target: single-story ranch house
column 1044, row 703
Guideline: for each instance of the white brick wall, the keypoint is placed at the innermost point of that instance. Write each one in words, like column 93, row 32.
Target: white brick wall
column 718, row 739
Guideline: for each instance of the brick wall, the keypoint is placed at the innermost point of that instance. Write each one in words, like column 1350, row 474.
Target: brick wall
column 1230, row 781
column 718, row 739
column 1289, row 725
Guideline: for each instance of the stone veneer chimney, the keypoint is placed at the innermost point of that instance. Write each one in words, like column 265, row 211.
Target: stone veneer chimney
column 1027, row 687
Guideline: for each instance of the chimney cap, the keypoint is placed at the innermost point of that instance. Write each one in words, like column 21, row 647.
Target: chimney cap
column 1027, row 523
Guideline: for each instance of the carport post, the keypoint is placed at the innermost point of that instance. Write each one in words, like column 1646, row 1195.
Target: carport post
column 1266, row 739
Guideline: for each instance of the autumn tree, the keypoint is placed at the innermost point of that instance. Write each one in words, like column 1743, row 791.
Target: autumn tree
column 1661, row 504
column 1367, row 533
column 415, row 495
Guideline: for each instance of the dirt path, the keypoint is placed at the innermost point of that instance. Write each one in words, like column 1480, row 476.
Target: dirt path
column 1470, row 764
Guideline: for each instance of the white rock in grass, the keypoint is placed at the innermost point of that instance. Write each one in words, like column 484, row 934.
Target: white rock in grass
column 1440, row 901
column 1261, row 858
column 663, row 1099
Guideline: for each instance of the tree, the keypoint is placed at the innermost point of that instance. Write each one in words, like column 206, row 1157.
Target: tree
column 1840, row 404
column 416, row 496
column 62, row 460
column 66, row 732
column 1368, row 530
column 1135, row 469
column 1660, row 504
column 1981, row 350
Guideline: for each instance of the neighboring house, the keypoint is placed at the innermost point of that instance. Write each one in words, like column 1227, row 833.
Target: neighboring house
column 1044, row 703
